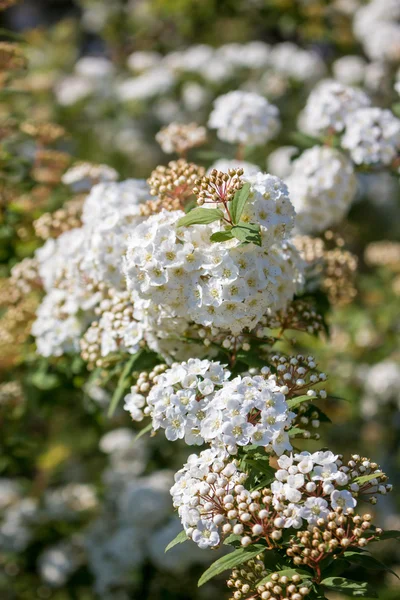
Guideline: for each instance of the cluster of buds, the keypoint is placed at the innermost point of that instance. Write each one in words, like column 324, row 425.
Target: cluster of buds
column 181, row 137
column 218, row 187
column 333, row 268
column 383, row 254
column 12, row 57
column 359, row 466
column 145, row 380
column 300, row 315
column 49, row 166
column 25, row 276
column 282, row 587
column 249, row 515
column 15, row 327
column 334, row 534
column 45, row 133
column 51, row 225
column 296, row 375
column 339, row 280
column 174, row 183
column 115, row 313
column 243, row 580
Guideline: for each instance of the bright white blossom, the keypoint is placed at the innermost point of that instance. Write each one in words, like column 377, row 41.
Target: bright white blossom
column 244, row 118
column 329, row 105
column 322, row 186
column 372, row 136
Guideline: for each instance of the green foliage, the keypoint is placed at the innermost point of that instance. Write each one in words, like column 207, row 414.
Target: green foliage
column 201, row 216
column 234, row 559
column 355, row 589
column 247, row 233
column 179, row 539
column 238, row 203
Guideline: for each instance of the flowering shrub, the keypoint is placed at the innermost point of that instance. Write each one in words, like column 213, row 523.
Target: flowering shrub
column 206, row 304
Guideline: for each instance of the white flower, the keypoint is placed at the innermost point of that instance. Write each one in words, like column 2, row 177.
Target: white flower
column 292, row 61
column 349, row 70
column 314, row 509
column 343, row 499
column 206, row 535
column 372, row 136
column 322, row 186
column 328, row 106
column 244, row 118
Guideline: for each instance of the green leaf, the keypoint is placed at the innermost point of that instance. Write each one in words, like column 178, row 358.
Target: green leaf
column 45, row 381
column 367, row 561
column 261, row 466
column 356, row 589
column 179, row 539
column 123, row 382
column 287, row 573
column 221, row 236
column 292, row 402
column 365, row 478
column 304, row 141
column 239, row 202
column 247, row 233
column 235, row 558
column 296, row 431
column 201, row 216
column 143, row 432
column 396, row 109
column 232, row 539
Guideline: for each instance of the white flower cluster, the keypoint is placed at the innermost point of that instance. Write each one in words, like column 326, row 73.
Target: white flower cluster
column 81, row 177
column 75, row 267
column 377, row 26
column 308, row 486
column 116, row 330
column 381, row 387
column 195, row 401
column 372, row 136
column 68, row 305
column 110, row 212
column 201, row 486
column 248, row 410
column 226, row 284
column 328, row 107
column 322, row 186
column 179, row 401
column 244, row 118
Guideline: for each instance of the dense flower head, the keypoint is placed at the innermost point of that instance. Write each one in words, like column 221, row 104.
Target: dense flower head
column 372, row 136
column 309, row 486
column 82, row 176
column 180, row 137
column 244, row 118
column 180, row 399
column 115, row 331
column 377, row 26
column 109, row 213
column 297, row 63
column 329, row 105
column 322, row 186
column 248, row 410
column 227, row 285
